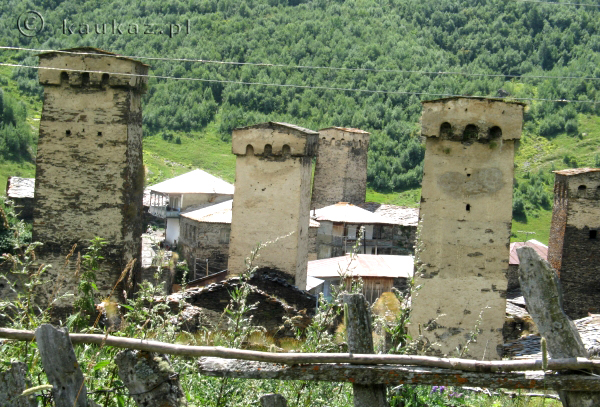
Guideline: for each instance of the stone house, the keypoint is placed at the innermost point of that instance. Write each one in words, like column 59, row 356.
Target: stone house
column 185, row 193
column 378, row 273
column 20, row 191
column 574, row 245
column 339, row 231
column 204, row 238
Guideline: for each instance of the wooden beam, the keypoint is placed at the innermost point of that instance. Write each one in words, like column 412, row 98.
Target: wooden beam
column 467, row 365
column 541, row 289
column 395, row 375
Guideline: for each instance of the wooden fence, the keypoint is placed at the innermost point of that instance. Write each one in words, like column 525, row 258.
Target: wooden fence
column 369, row 373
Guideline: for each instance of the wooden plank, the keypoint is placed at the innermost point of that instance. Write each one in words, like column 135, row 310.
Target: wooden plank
column 467, row 365
column 150, row 379
column 541, row 289
column 61, row 367
column 360, row 340
column 395, row 375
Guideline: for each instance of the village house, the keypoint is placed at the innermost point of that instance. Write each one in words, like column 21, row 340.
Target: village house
column 20, row 191
column 378, row 273
column 340, row 226
column 185, row 193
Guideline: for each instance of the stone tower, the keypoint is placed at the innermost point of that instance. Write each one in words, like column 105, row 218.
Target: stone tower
column 89, row 169
column 272, row 197
column 574, row 245
column 341, row 170
column 466, row 214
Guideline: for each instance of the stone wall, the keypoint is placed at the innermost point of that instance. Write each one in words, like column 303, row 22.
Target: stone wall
column 272, row 197
column 574, row 241
column 89, row 168
column 203, row 240
column 466, row 213
column 341, row 168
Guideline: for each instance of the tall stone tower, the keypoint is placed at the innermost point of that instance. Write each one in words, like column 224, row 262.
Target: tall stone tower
column 574, row 245
column 341, row 170
column 466, row 213
column 272, row 197
column 89, row 169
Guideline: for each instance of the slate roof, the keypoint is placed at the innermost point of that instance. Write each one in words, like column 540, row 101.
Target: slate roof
column 398, row 215
column 194, row 182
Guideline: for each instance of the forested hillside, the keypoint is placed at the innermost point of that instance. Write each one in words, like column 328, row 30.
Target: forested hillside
column 359, row 63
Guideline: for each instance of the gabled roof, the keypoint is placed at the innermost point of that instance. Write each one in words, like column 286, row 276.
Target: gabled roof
column 220, row 213
column 363, row 265
column 194, row 182
column 398, row 215
column 539, row 247
column 348, row 213
column 17, row 187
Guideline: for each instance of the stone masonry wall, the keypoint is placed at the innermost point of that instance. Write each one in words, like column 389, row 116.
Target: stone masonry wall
column 341, row 168
column 580, row 254
column 205, row 240
column 466, row 213
column 272, row 197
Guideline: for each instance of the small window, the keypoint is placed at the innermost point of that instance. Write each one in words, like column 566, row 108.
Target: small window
column 85, row 78
column 581, row 188
column 249, row 149
column 445, row 130
column 468, row 207
column 593, row 234
column 470, row 133
column 495, row 132
column 68, row 132
column 104, row 79
column 64, row 78
column 286, row 151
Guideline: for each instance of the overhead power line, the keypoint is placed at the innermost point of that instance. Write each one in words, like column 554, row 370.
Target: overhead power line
column 397, row 92
column 332, row 68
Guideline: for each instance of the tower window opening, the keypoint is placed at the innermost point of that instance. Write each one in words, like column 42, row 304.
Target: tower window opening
column 85, row 78
column 593, row 234
column 468, row 207
column 581, row 188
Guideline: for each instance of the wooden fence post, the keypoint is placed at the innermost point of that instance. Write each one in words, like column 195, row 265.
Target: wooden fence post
column 541, row 289
column 61, row 367
column 360, row 340
column 150, row 379
column 273, row 400
column 12, row 383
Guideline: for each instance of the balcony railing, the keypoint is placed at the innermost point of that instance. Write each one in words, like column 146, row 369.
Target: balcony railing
column 164, row 212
